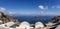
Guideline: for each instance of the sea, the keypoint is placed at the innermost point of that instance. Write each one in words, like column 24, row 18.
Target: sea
column 34, row 19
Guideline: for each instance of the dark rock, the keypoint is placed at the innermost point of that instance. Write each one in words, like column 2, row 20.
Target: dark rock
column 56, row 19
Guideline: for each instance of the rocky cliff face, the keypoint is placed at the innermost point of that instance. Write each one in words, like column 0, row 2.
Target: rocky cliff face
column 55, row 22
column 56, row 19
column 6, row 18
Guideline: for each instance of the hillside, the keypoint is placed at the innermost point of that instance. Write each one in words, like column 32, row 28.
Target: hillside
column 6, row 18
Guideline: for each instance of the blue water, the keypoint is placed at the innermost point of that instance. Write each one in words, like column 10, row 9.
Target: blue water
column 34, row 19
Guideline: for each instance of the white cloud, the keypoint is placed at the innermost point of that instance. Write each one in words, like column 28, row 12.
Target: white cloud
column 6, row 11
column 2, row 9
column 48, row 13
column 57, row 6
column 42, row 7
column 41, row 11
column 11, row 13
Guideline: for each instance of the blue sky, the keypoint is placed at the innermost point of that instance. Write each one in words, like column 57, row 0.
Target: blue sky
column 31, row 7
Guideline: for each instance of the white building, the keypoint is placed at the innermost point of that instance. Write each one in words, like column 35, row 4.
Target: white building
column 39, row 25
column 24, row 25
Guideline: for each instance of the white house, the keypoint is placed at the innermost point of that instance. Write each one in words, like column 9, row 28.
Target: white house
column 39, row 25
column 24, row 25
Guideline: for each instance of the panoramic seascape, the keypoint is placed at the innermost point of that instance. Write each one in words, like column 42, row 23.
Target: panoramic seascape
column 29, row 14
column 34, row 19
